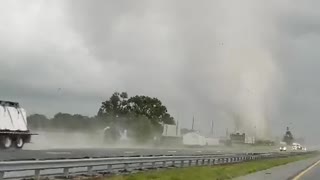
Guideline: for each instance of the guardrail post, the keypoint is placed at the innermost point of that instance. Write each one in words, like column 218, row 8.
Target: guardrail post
column 202, row 163
column 37, row 174
column 109, row 168
column 89, row 169
column 209, row 161
column 66, row 172
column 164, row 164
column 182, row 163
column 197, row 162
column 125, row 168
column 190, row 163
column 2, row 175
column 173, row 163
column 213, row 162
column 141, row 166
column 153, row 164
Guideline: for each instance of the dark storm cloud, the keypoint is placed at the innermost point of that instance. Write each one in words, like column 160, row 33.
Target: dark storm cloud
column 195, row 56
column 166, row 44
column 296, row 50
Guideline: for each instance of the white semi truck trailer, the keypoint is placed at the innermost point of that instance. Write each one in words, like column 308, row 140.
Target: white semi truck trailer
column 14, row 131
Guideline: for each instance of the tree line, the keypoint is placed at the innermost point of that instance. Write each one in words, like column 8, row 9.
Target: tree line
column 141, row 116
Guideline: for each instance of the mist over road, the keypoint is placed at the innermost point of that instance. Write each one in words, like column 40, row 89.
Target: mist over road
column 117, row 152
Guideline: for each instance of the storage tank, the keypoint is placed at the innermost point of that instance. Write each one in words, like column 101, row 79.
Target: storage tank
column 171, row 135
column 171, row 130
column 212, row 141
column 194, row 139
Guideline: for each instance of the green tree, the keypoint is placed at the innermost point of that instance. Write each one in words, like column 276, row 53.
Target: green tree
column 73, row 122
column 152, row 108
column 142, row 116
column 142, row 129
column 37, row 121
column 115, row 108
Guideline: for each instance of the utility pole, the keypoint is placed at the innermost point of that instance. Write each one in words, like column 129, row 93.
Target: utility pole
column 212, row 128
column 177, row 128
column 227, row 132
column 193, row 123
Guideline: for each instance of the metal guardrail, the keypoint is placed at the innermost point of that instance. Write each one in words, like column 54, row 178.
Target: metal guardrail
column 109, row 165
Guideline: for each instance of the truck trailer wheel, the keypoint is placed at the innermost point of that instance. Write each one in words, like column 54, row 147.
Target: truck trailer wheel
column 19, row 142
column 6, row 142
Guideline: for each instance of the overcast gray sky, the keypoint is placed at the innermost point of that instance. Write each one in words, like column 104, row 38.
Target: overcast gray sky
column 215, row 59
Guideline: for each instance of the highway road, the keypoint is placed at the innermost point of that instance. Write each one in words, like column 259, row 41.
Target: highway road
column 312, row 173
column 53, row 145
column 115, row 152
column 292, row 171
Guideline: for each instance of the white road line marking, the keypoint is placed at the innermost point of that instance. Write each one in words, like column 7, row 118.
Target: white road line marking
column 172, row 151
column 305, row 171
column 199, row 151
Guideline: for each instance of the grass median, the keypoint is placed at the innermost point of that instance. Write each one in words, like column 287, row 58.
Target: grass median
column 219, row 172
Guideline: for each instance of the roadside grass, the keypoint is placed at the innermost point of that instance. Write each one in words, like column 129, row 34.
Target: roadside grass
column 218, row 172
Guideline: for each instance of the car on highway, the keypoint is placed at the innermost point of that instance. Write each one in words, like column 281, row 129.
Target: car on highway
column 283, row 148
column 296, row 146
